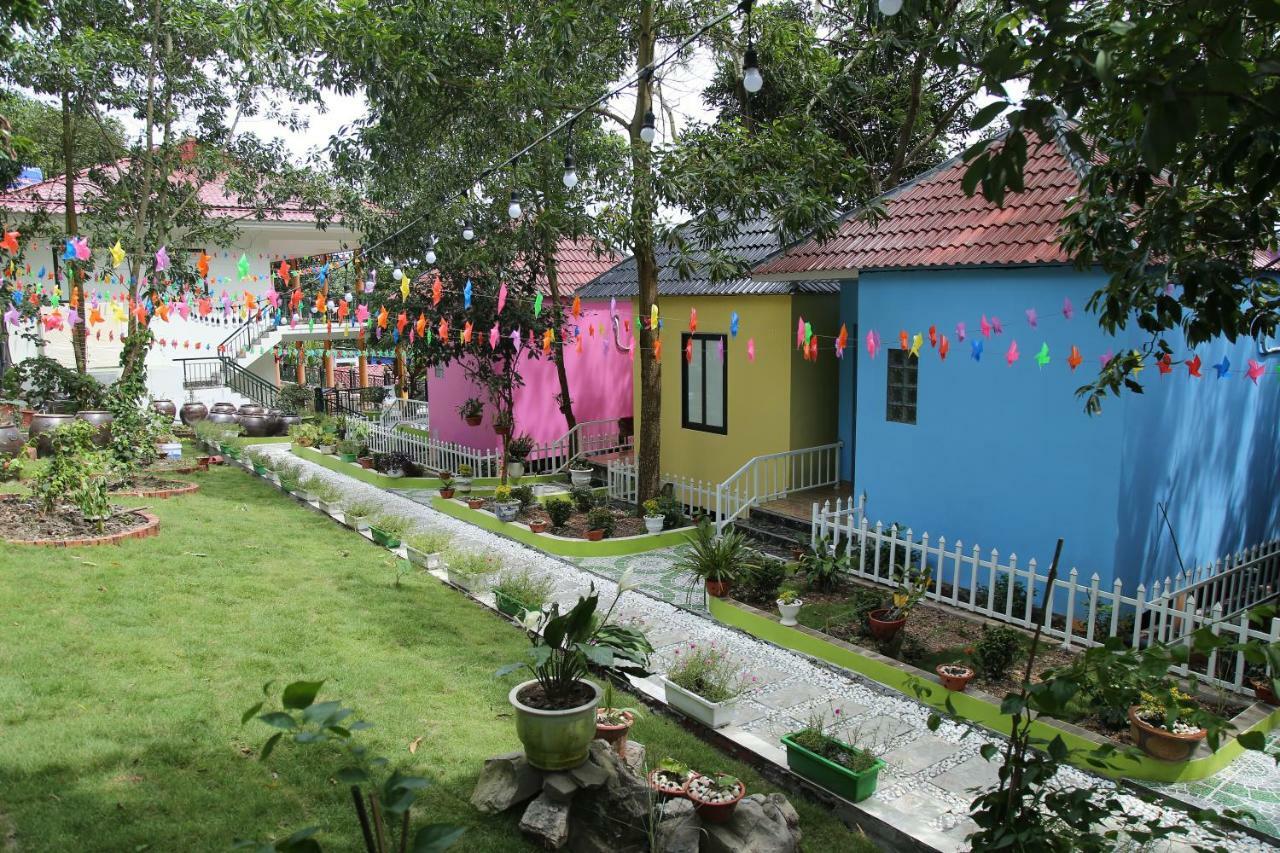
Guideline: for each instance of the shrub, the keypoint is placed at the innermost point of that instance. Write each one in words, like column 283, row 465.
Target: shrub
column 651, row 507
column 559, row 510
column 525, row 587
column 823, row 567
column 996, row 650
column 293, row 398
column 761, row 582
column 348, row 446
column 502, row 494
column 76, row 471
column 583, row 498
column 519, row 448
column 524, row 494
column 1002, row 596
column 601, row 518
column 304, row 435
column 464, row 470
column 10, row 468
column 672, row 512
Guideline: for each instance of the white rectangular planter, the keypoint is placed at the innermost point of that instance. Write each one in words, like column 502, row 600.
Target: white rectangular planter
column 422, row 558
column 358, row 522
column 471, row 583
column 331, row 507
column 712, row 714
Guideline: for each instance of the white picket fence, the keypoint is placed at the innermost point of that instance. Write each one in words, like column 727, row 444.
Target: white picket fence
column 588, row 439
column 696, row 496
column 1080, row 612
column 434, row 455
column 398, row 411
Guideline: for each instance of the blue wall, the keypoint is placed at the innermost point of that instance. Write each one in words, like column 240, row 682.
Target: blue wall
column 1005, row 457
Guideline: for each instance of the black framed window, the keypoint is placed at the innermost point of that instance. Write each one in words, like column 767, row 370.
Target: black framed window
column 705, row 381
column 903, row 386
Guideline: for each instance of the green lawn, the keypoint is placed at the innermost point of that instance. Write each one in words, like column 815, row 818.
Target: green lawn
column 123, row 672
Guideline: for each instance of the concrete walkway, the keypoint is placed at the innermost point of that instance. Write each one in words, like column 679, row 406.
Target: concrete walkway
column 930, row 777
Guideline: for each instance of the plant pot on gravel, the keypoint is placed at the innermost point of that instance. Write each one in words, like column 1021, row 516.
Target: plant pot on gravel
column 556, row 711
column 954, row 676
column 715, row 797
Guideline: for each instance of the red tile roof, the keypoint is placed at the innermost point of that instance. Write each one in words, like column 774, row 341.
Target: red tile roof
column 932, row 223
column 51, row 195
column 580, row 261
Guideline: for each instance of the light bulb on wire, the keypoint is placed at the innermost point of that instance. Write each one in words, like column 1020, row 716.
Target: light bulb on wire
column 752, row 79
column 890, row 7
column 468, row 233
column 397, row 273
column 647, row 130
column 514, row 210
column 570, row 172
column 430, row 257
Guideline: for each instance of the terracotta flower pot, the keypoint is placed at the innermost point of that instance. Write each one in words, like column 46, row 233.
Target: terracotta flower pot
column 366, row 462
column 1162, row 743
column 664, row 788
column 27, row 415
column 713, row 812
column 474, row 420
column 884, row 629
column 501, row 430
column 446, row 493
column 475, row 503
column 595, row 535
column 954, row 682
column 537, row 527
column 717, row 589
column 1262, row 691
column 616, row 735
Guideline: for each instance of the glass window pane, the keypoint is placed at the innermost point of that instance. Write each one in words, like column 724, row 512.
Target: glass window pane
column 693, row 385
column 715, row 384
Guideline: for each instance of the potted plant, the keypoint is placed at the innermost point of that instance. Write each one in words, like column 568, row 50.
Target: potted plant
column 328, row 496
column 446, row 485
column 886, row 622
column 290, row 477
column 600, row 523
column 715, row 560
column 1162, row 725
column 518, row 592
column 580, row 472
column 555, row 710
column 394, row 465
column 307, row 488
column 348, row 449
column 168, row 446
column 325, row 443
column 1263, row 688
column 258, row 460
column 789, row 603
column 502, row 423
column 653, row 516
column 304, row 435
column 703, row 683
column 469, row 571
column 504, row 507
column 472, row 411
column 538, row 526
column 357, row 514
column 387, row 530
column 669, row 778
column 463, row 481
column 715, row 797
column 518, row 450
column 614, row 723
column 830, row 762
column 954, row 676
column 424, row 549
column 475, row 503
column 365, row 459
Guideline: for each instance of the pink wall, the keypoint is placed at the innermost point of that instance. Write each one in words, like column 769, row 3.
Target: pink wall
column 599, row 382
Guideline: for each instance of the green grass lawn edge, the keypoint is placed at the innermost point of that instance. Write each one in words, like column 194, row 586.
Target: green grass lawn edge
column 973, row 708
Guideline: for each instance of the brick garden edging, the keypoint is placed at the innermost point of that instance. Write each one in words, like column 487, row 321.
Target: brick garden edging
column 184, row 489
column 150, row 528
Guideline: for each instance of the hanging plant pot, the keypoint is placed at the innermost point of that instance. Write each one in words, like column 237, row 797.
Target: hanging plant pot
column 884, row 629
column 474, row 420
column 501, row 430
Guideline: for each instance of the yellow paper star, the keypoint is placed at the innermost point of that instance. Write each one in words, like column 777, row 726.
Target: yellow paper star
column 117, row 254
column 916, row 343
column 404, row 286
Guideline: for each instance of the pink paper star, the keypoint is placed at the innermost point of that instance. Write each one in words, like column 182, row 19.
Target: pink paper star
column 1067, row 308
column 162, row 259
column 1255, row 371
column 1033, row 318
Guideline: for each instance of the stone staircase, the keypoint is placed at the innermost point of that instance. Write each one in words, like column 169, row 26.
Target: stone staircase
column 774, row 533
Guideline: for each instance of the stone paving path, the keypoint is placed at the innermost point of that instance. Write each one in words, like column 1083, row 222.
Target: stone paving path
column 1251, row 782
column 930, row 777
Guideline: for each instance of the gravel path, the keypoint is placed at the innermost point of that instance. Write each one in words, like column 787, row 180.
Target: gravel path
column 929, row 779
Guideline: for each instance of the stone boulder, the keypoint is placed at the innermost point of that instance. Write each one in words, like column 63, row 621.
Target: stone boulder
column 614, row 815
column 679, row 828
column 506, row 781
column 760, row 824
column 547, row 821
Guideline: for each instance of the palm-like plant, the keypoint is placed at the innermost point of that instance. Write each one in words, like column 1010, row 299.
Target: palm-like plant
column 711, row 557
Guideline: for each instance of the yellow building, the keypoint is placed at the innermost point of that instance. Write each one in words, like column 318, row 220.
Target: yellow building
column 720, row 411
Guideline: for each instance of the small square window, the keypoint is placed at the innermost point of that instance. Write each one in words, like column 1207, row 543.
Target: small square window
column 439, row 371
column 902, row 387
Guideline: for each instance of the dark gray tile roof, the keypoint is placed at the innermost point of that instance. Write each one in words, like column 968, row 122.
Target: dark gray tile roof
column 755, row 241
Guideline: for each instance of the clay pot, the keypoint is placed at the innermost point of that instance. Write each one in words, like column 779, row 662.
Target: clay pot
column 474, row 420
column 164, row 407
column 101, row 422
column 11, row 439
column 193, row 412
column 255, row 425
column 954, row 682
column 222, row 418
column 662, row 788
column 444, row 493
column 273, row 421
column 595, row 535
column 27, row 415
column 7, row 412
column 537, row 526
column 229, row 408
column 884, row 629
column 252, row 409
column 475, row 503
column 1161, row 743
column 616, row 735
column 1261, row 687
column 717, row 589
column 287, row 422
column 713, row 812
column 43, row 423
column 366, row 462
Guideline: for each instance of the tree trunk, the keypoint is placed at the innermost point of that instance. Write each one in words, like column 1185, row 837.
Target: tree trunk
column 649, row 449
column 557, row 353
column 73, row 276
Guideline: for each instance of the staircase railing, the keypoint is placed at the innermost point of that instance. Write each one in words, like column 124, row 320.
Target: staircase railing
column 775, row 475
column 249, row 385
column 247, row 334
column 600, row 440
column 351, row 402
column 201, row 373
column 413, row 412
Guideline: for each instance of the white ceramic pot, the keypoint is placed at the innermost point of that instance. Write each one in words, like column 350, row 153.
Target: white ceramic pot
column 507, row 510
column 325, row 448
column 471, row 583
column 653, row 523
column 789, row 611
column 580, row 478
column 394, row 473
column 330, row 507
column 712, row 714
column 422, row 558
column 462, row 485
column 515, row 470
column 305, row 497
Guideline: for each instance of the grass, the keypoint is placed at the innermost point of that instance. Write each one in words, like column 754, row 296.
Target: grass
column 123, row 672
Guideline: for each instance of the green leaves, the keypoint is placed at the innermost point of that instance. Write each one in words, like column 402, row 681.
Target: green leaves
column 436, row 837
column 300, row 694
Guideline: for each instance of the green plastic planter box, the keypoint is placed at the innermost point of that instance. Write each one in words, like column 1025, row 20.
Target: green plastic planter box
column 508, row 605
column 347, row 457
column 383, row 538
column 841, row 781
column 260, row 470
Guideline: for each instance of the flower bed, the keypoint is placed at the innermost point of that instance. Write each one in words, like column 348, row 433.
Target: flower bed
column 145, row 486
column 23, row 524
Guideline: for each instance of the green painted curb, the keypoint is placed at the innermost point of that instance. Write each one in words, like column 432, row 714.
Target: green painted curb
column 558, row 545
column 971, row 707
column 373, row 478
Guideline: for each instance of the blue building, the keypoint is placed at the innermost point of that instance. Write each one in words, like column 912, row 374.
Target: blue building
column 974, row 440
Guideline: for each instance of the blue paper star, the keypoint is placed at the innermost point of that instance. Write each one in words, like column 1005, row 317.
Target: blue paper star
column 1222, row 367
column 733, row 324
column 976, row 352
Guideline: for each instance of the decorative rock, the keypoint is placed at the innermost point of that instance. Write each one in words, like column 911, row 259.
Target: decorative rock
column 635, row 756
column 679, row 828
column 505, row 781
column 590, row 774
column 611, row 818
column 759, row 824
column 547, row 820
column 559, row 786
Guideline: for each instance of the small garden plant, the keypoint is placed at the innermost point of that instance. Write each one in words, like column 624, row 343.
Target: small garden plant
column 471, row 564
column 524, row 587
column 709, row 672
column 996, row 650
column 826, row 737
column 395, row 526
column 559, row 511
column 428, row 543
column 471, row 408
column 502, row 494
column 523, row 494
column 360, row 508
column 601, row 518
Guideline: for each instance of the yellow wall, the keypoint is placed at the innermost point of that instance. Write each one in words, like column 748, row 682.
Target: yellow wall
column 761, row 392
column 815, row 386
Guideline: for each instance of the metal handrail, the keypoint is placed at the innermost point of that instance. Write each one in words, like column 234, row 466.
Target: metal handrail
column 247, row 333
column 249, row 385
column 351, row 402
column 736, row 490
